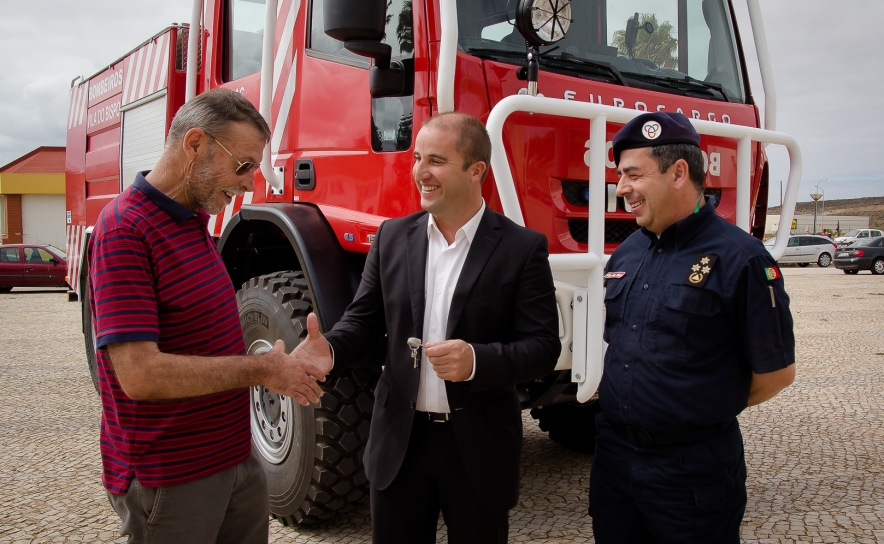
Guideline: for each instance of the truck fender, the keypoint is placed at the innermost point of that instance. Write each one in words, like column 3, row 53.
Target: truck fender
column 267, row 238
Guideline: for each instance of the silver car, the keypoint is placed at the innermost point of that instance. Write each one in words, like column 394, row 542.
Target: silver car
column 804, row 249
column 857, row 234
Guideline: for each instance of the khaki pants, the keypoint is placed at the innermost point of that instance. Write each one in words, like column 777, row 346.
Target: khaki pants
column 231, row 506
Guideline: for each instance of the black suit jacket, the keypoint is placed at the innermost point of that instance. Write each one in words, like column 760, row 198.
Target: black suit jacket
column 503, row 305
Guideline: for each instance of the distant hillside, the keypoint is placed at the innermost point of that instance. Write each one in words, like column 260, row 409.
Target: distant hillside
column 872, row 206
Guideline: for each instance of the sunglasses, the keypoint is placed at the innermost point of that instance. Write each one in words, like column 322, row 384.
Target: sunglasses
column 242, row 167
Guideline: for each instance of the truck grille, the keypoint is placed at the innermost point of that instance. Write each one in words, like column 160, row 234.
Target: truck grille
column 615, row 231
column 575, row 192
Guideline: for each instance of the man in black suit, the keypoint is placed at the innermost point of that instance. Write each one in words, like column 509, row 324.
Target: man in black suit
column 446, row 429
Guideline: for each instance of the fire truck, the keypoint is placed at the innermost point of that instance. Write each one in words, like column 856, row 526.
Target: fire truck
column 344, row 85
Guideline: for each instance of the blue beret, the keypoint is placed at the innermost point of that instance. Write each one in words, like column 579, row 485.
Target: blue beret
column 654, row 129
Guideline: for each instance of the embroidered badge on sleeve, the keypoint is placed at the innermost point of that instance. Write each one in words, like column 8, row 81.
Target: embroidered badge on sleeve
column 772, row 273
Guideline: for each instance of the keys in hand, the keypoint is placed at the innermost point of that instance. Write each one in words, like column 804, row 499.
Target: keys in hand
column 415, row 344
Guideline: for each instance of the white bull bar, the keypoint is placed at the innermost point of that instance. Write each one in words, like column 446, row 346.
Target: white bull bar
column 588, row 304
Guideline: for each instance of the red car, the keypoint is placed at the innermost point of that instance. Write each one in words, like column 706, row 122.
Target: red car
column 31, row 265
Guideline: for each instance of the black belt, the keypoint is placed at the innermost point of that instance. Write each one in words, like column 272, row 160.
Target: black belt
column 645, row 439
column 435, row 417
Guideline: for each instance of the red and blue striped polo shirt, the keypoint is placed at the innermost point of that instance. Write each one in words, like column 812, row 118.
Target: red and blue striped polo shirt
column 156, row 275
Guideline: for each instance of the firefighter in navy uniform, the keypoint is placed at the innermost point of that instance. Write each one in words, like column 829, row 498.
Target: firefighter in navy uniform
column 699, row 328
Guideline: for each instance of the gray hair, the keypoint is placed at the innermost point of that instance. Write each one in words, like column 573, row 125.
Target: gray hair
column 669, row 154
column 213, row 111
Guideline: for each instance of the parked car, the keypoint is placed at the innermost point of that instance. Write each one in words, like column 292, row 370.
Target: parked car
column 805, row 249
column 857, row 234
column 865, row 254
column 31, row 265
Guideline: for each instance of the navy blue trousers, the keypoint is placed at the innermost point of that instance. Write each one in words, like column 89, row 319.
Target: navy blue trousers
column 693, row 492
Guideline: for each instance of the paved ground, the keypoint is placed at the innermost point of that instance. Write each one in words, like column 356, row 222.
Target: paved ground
column 814, row 453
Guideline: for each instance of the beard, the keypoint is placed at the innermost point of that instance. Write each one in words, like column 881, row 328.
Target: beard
column 201, row 185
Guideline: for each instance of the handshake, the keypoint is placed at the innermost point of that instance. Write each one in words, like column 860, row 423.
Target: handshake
column 297, row 374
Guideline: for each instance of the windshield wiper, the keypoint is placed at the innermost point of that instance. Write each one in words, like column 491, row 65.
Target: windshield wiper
column 686, row 83
column 568, row 57
column 488, row 52
column 600, row 68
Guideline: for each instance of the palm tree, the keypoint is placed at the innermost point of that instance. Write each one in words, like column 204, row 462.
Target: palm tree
column 659, row 47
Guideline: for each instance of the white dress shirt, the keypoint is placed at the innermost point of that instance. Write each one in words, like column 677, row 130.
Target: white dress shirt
column 444, row 264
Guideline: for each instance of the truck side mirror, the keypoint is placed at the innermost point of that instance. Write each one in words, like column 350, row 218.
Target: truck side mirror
column 360, row 24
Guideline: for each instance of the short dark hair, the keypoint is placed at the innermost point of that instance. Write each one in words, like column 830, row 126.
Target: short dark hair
column 667, row 155
column 472, row 141
column 213, row 111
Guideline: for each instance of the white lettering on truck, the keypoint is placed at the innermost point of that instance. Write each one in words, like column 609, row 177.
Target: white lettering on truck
column 101, row 115
column 103, row 86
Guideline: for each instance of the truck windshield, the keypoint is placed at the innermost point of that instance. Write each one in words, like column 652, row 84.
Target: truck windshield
column 678, row 46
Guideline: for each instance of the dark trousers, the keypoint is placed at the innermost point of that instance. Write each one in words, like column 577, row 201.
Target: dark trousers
column 231, row 506
column 693, row 492
column 433, row 478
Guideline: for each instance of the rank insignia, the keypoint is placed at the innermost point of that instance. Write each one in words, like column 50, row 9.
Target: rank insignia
column 772, row 273
column 700, row 270
column 614, row 275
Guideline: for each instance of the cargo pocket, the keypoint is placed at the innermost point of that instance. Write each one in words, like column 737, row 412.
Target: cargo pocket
column 677, row 319
column 614, row 296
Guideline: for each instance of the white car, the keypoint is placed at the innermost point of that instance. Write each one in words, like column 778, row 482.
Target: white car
column 857, row 234
column 804, row 249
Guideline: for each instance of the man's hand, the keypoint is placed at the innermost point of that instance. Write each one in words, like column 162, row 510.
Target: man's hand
column 301, row 369
column 451, row 359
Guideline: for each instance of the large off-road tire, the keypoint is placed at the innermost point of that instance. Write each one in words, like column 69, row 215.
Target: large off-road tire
column 571, row 425
column 312, row 455
column 89, row 336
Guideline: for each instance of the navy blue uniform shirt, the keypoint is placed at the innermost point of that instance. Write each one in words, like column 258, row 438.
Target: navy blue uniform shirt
column 689, row 317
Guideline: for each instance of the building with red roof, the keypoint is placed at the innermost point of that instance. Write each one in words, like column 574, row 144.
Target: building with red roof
column 32, row 199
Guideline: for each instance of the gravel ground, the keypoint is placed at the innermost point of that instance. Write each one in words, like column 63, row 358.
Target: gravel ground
column 814, row 453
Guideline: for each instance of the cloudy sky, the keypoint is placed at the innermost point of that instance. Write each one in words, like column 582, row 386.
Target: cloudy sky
column 828, row 70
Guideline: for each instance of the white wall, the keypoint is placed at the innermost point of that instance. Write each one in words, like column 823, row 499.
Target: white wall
column 830, row 222
column 43, row 219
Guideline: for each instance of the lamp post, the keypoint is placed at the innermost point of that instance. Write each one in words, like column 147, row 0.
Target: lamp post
column 816, row 196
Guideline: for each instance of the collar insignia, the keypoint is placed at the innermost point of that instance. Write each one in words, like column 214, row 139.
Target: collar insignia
column 700, row 270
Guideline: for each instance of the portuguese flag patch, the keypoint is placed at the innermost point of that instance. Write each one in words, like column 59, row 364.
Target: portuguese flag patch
column 772, row 273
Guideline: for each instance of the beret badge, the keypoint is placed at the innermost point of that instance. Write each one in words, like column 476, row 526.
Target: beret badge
column 651, row 130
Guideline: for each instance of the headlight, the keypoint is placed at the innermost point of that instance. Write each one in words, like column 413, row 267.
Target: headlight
column 543, row 22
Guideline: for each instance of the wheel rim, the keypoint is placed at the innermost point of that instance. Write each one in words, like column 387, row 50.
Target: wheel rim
column 879, row 267
column 825, row 260
column 272, row 416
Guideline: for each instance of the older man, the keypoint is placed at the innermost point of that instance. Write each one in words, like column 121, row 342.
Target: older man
column 175, row 432
column 699, row 328
column 476, row 288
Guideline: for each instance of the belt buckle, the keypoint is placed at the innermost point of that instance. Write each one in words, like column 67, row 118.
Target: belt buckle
column 438, row 417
